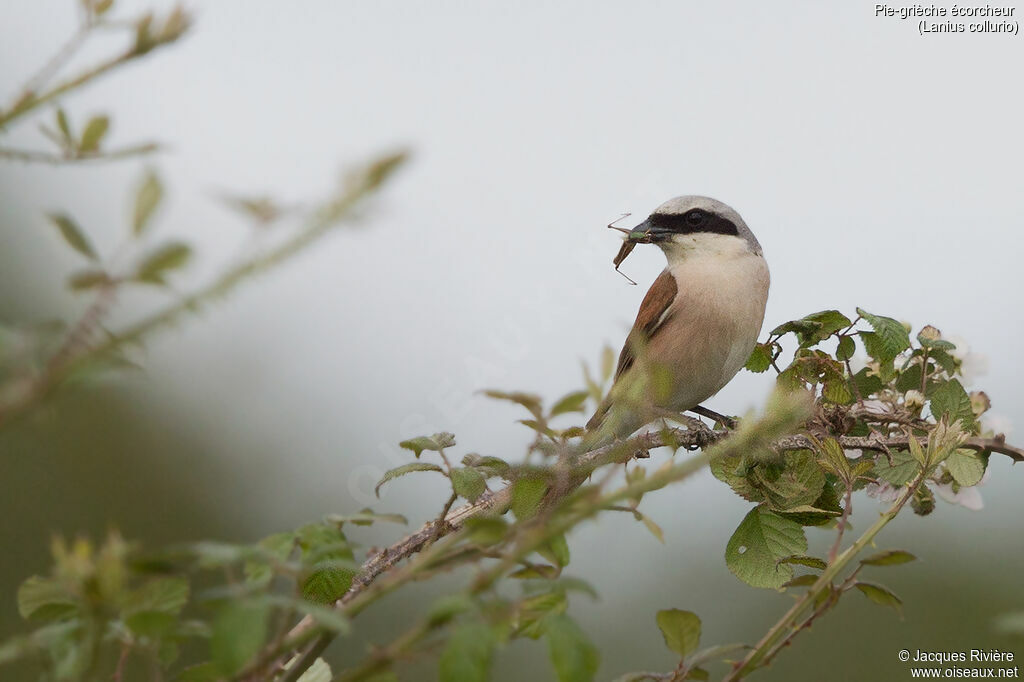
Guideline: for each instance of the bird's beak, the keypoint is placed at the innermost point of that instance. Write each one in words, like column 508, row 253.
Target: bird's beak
column 647, row 233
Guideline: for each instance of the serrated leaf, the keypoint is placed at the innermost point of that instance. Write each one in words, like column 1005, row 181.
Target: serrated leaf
column 93, row 134
column 44, row 599
column 826, row 323
column 758, row 542
column 572, row 655
column 730, row 470
column 950, row 400
column 888, row 340
column 804, row 560
column 833, row 458
column 164, row 595
column 490, row 467
column 467, row 655
column 162, row 260
column 73, row 235
column 681, row 630
column 527, row 494
column 799, row 483
column 468, row 483
column 904, row 467
column 846, row 348
column 967, row 467
column 327, row 584
column 889, row 558
column 760, row 359
column 880, row 595
column 147, row 198
column 391, row 474
column 572, row 402
column 436, row 443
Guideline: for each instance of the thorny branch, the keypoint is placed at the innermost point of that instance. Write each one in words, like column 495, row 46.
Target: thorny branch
column 699, row 437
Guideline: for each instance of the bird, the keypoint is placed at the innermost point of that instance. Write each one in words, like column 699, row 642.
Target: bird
column 697, row 324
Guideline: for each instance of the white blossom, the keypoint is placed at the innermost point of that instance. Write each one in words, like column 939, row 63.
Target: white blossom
column 882, row 491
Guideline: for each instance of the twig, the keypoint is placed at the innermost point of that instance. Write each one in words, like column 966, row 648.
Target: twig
column 34, row 156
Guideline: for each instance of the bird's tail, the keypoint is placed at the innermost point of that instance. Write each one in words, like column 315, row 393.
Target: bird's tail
column 611, row 422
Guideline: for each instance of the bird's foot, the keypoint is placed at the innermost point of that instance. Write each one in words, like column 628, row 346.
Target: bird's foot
column 726, row 422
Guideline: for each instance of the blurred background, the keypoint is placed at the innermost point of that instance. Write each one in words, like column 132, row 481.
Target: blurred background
column 877, row 167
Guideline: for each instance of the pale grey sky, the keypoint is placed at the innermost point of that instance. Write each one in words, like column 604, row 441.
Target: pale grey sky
column 877, row 167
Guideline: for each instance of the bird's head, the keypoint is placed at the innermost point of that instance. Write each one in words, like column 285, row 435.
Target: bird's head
column 694, row 225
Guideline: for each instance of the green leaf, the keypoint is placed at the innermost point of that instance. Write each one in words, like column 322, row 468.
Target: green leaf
column 574, row 658
column 239, row 631
column 731, row 469
column 760, row 359
column 161, row 260
column 799, row 483
column 879, row 595
column 904, row 467
column 804, row 560
column 153, row 624
column 527, row 494
column 88, row 279
column 468, row 483
column 572, row 402
column 654, row 528
column 445, row 608
column 951, row 400
column 846, row 348
column 467, row 655
column 888, row 558
column 73, row 235
column 486, row 530
column 164, row 595
column 888, row 340
column 45, row 599
column 833, row 459
column 761, row 539
column 490, row 467
column 556, row 551
column 327, row 584
column 391, row 474
column 805, row 580
column 681, row 630
column 93, row 134
column 917, row 452
column 436, row 442
column 528, row 400
column 64, row 126
column 967, row 467
column 147, row 198
column 260, row 572
column 828, row 323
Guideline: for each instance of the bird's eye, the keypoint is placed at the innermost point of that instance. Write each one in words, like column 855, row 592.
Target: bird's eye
column 695, row 217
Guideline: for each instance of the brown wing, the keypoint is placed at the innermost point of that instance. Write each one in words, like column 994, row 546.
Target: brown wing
column 648, row 320
column 650, row 317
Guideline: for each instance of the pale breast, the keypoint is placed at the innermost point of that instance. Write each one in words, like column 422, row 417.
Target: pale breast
column 714, row 325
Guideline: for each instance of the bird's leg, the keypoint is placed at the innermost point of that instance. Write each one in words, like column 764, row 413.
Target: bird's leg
column 727, row 422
